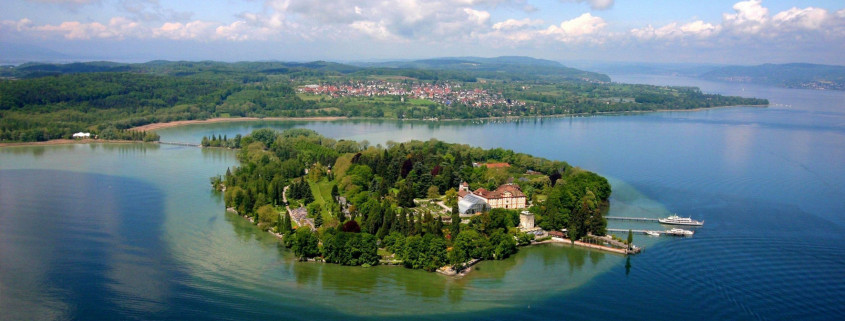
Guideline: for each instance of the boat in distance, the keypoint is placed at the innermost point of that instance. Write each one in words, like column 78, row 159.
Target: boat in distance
column 679, row 232
column 677, row 220
column 652, row 233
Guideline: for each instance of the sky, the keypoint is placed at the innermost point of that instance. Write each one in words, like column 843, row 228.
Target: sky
column 672, row 31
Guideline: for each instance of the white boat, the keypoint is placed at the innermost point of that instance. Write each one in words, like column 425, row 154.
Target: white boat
column 679, row 232
column 677, row 220
column 652, row 233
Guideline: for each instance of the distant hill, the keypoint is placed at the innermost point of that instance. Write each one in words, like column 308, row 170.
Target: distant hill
column 515, row 67
column 646, row 68
column 14, row 53
column 468, row 69
column 795, row 75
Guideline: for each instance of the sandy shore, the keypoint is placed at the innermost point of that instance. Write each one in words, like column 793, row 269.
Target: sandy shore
column 69, row 141
column 156, row 126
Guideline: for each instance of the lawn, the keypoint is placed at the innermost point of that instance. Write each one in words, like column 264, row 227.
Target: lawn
column 322, row 191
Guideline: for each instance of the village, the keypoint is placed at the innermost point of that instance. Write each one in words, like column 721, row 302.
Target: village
column 446, row 93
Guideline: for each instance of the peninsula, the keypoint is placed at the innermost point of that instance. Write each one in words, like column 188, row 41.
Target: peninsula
column 40, row 102
column 426, row 205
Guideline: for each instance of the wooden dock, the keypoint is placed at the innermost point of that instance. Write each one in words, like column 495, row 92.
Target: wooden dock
column 622, row 218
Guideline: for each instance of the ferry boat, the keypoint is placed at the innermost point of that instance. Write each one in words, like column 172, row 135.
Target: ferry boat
column 677, row 220
column 679, row 232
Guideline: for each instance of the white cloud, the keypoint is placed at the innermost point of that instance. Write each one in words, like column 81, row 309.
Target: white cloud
column 374, row 30
column 512, row 24
column 808, row 19
column 476, row 16
column 749, row 18
column 696, row 29
column 579, row 29
column 194, row 30
column 595, row 4
column 17, row 25
column 117, row 28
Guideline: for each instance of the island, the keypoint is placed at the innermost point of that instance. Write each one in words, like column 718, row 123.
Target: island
column 425, row 205
column 40, row 102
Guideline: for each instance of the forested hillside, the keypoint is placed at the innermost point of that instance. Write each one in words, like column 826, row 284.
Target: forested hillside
column 48, row 101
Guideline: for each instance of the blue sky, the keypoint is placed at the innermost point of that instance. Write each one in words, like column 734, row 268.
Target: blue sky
column 715, row 31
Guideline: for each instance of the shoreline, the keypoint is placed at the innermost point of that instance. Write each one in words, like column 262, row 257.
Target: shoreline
column 63, row 141
column 156, row 126
column 178, row 123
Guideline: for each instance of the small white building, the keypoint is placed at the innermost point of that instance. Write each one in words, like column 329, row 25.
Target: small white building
column 82, row 135
column 526, row 220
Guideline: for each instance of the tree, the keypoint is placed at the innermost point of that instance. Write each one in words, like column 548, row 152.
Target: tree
column 351, row 226
column 468, row 245
column 318, row 220
column 405, row 198
column 335, row 193
column 286, row 224
column 314, row 210
column 455, row 226
column 433, row 192
column 630, row 238
column 267, row 214
column 451, row 197
column 305, row 244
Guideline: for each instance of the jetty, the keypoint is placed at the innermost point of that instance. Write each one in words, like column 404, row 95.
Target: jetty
column 622, row 218
column 621, row 230
column 180, row 144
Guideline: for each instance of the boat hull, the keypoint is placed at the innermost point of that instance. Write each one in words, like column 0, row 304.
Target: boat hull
column 681, row 223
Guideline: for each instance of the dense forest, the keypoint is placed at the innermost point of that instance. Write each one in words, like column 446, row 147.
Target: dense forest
column 48, row 101
column 369, row 204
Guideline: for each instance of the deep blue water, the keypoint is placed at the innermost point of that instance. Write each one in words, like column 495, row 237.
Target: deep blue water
column 769, row 183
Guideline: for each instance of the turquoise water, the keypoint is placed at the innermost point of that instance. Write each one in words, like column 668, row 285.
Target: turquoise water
column 133, row 231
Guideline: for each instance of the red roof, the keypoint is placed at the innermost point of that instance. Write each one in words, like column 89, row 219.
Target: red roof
column 497, row 165
column 500, row 192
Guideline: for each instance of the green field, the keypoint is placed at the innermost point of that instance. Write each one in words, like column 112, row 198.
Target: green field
column 322, row 191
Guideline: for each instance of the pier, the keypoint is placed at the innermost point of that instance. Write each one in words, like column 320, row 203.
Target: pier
column 622, row 218
column 180, row 144
column 666, row 232
column 622, row 230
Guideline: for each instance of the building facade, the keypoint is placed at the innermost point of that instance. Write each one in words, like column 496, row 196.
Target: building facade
column 507, row 196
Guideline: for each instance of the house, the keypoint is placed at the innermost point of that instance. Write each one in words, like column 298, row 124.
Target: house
column 507, row 196
column 81, row 135
column 557, row 234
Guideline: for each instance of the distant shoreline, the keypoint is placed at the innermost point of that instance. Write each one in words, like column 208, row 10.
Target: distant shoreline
column 178, row 123
column 71, row 141
column 157, row 126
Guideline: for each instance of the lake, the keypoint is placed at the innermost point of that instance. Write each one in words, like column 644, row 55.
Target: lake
column 133, row 231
